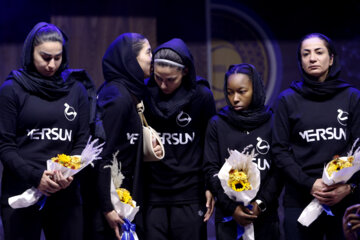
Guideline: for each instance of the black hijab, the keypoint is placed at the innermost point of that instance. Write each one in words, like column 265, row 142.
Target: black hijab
column 167, row 106
column 50, row 88
column 311, row 88
column 257, row 113
column 56, row 86
column 120, row 64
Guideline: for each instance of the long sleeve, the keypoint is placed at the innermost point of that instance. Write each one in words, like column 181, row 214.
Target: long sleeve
column 82, row 134
column 9, row 109
column 282, row 151
column 271, row 187
column 120, row 122
column 213, row 164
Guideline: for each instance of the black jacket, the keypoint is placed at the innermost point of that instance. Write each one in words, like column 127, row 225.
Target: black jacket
column 235, row 130
column 124, row 79
column 181, row 120
column 313, row 122
column 40, row 118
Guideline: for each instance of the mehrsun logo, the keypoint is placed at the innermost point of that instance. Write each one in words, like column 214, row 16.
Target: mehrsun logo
column 183, row 119
column 262, row 146
column 69, row 112
column 342, row 117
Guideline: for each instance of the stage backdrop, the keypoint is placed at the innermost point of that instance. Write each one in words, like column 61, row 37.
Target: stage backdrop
column 218, row 33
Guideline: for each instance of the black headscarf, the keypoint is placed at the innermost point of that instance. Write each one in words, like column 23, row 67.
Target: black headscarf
column 56, row 86
column 120, row 64
column 50, row 88
column 167, row 106
column 310, row 87
column 257, row 113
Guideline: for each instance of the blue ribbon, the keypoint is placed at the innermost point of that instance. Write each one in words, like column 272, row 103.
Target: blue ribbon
column 327, row 210
column 128, row 229
column 42, row 202
column 239, row 229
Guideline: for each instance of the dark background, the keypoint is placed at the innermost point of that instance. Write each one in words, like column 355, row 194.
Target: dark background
column 92, row 25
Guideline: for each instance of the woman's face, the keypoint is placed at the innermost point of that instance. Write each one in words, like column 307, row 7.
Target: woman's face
column 144, row 58
column 239, row 91
column 168, row 78
column 315, row 58
column 47, row 58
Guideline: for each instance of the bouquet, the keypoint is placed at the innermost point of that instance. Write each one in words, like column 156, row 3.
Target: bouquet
column 338, row 170
column 240, row 179
column 122, row 201
column 67, row 165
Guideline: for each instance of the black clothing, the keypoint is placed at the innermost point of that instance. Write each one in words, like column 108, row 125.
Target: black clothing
column 32, row 130
column 176, row 222
column 331, row 226
column 180, row 118
column 40, row 118
column 307, row 134
column 30, row 220
column 235, row 130
column 124, row 79
column 228, row 230
column 221, row 137
column 313, row 122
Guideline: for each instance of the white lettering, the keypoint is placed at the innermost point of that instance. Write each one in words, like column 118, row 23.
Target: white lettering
column 330, row 133
column 177, row 138
column 54, row 132
column 132, row 137
column 261, row 164
column 50, row 134
column 319, row 134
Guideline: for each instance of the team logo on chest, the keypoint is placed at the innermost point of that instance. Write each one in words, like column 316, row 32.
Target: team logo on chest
column 69, row 112
column 342, row 117
column 262, row 146
column 183, row 119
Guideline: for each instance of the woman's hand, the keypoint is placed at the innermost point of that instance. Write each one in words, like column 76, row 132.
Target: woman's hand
column 318, row 186
column 330, row 195
column 351, row 222
column 157, row 148
column 47, row 185
column 61, row 180
column 210, row 203
column 114, row 221
column 256, row 210
column 243, row 216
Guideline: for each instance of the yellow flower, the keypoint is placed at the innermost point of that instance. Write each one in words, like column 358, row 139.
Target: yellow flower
column 337, row 164
column 124, row 196
column 72, row 162
column 238, row 180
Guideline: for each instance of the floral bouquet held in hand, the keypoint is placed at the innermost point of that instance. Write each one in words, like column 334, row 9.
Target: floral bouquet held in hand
column 122, row 201
column 67, row 165
column 338, row 170
column 240, row 179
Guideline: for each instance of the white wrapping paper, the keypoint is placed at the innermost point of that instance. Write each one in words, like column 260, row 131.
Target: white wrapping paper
column 241, row 161
column 32, row 195
column 125, row 211
column 314, row 209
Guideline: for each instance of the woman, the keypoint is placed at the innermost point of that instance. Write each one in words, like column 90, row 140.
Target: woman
column 316, row 119
column 178, row 107
column 125, row 65
column 244, row 121
column 45, row 112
